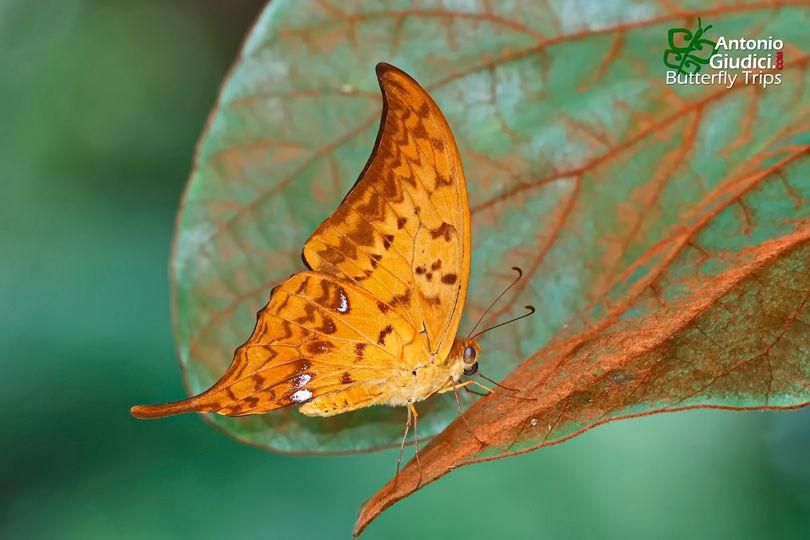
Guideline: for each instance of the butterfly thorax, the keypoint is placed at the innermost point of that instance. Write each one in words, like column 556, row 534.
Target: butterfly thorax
column 439, row 376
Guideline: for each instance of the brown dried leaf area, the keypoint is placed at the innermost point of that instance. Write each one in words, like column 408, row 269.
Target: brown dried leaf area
column 662, row 230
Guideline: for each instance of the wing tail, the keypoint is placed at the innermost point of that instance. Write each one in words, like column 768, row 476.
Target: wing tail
column 192, row 404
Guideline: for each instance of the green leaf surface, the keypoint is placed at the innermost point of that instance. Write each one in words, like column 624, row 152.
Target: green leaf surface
column 583, row 167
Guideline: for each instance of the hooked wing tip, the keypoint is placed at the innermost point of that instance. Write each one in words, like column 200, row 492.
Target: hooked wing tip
column 382, row 67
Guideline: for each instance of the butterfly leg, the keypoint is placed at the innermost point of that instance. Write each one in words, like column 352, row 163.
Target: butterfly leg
column 490, row 390
column 452, row 386
column 481, row 385
column 402, row 447
column 464, row 385
column 458, row 404
column 496, row 383
column 412, row 409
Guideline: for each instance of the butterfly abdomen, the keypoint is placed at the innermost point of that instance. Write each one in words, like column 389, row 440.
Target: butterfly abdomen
column 354, row 397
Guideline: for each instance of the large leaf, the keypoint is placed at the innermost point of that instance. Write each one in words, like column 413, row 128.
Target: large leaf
column 627, row 202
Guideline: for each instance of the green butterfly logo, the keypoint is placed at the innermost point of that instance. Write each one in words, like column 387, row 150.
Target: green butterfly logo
column 694, row 51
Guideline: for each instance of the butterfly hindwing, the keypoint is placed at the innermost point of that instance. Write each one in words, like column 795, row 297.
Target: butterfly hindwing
column 318, row 334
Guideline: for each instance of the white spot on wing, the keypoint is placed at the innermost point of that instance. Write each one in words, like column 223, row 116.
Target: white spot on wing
column 300, row 396
column 302, row 379
column 344, row 303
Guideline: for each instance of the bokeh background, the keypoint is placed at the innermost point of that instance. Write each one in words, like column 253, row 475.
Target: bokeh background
column 101, row 103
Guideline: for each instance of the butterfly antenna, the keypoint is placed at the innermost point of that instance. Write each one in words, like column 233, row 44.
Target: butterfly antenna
column 531, row 312
column 481, row 318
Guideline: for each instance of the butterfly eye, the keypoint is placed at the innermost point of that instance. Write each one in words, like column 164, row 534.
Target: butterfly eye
column 469, row 355
column 470, row 371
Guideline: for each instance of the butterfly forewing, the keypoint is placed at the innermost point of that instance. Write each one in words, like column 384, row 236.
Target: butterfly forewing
column 402, row 233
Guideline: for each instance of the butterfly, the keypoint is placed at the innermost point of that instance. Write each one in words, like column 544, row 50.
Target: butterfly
column 373, row 319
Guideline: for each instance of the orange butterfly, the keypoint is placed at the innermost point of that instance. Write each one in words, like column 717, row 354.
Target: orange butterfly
column 373, row 320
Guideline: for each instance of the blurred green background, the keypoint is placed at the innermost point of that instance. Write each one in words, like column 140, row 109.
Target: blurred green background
column 100, row 106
